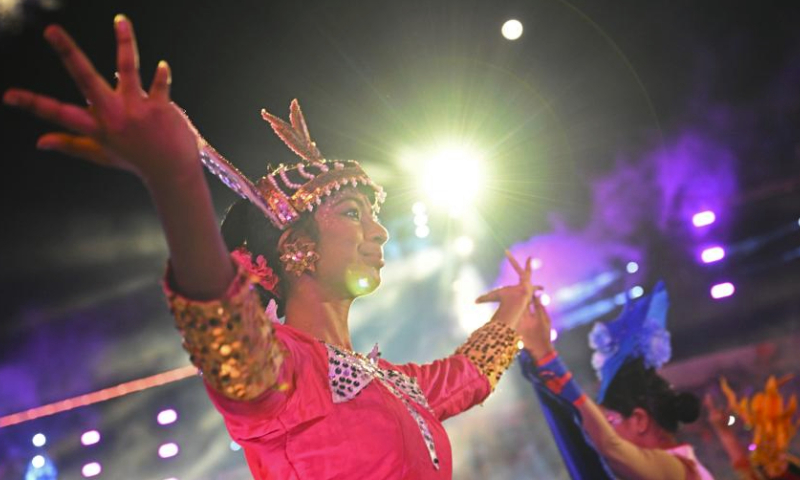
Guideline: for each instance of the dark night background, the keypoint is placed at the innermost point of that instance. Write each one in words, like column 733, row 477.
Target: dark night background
column 603, row 128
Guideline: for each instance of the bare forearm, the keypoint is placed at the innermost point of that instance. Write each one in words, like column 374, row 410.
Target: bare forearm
column 626, row 459
column 200, row 262
column 735, row 450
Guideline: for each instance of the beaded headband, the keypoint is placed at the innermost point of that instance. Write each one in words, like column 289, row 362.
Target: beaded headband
column 281, row 199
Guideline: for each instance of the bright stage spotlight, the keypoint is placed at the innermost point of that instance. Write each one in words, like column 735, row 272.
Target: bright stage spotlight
column 39, row 440
column 451, row 178
column 168, row 450
column 553, row 334
column 38, row 461
column 511, row 29
column 704, row 218
column 637, row 291
column 92, row 469
column 165, row 417
column 722, row 290
column 632, row 267
column 545, row 299
column 712, row 254
column 422, row 231
column 90, row 438
column 464, row 246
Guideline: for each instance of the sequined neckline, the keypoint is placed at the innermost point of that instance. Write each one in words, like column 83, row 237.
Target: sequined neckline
column 350, row 372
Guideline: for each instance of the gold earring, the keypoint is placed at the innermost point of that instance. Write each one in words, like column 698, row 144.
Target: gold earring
column 298, row 257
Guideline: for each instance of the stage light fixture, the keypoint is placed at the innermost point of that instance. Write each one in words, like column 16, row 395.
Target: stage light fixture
column 545, row 299
column 553, row 335
column 451, row 178
column 422, row 231
column 511, row 29
column 637, row 291
column 704, row 218
column 712, row 254
column 722, row 290
column 166, row 417
column 168, row 450
column 419, row 208
column 90, row 438
column 632, row 267
column 38, row 461
column 39, row 440
column 92, row 469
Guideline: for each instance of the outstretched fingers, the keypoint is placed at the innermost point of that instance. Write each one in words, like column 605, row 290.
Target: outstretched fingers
column 127, row 56
column 162, row 79
column 76, row 146
column 71, row 117
column 80, row 68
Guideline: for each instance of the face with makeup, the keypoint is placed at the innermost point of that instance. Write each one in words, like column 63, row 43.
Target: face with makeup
column 350, row 244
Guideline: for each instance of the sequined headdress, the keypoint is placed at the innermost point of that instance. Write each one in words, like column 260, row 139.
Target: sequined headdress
column 638, row 332
column 281, row 199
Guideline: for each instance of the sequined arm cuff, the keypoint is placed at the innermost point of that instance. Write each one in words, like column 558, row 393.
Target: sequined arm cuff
column 230, row 339
column 491, row 349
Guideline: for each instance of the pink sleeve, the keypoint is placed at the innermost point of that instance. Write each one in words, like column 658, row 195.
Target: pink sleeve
column 297, row 398
column 452, row 385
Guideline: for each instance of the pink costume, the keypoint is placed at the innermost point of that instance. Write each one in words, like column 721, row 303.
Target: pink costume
column 327, row 412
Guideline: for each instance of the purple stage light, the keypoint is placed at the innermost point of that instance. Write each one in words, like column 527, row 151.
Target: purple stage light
column 722, row 290
column 705, row 218
column 165, row 417
column 91, row 469
column 168, row 450
column 553, row 334
column 712, row 254
column 90, row 438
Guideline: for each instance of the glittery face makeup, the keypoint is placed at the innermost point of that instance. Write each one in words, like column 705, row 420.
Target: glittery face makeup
column 350, row 244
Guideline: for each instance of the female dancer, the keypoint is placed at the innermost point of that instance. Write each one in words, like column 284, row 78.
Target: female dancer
column 295, row 396
column 634, row 430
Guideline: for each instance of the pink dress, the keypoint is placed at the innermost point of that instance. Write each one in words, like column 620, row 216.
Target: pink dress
column 327, row 413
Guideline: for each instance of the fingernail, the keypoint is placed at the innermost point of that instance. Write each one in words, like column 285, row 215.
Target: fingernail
column 165, row 66
column 121, row 22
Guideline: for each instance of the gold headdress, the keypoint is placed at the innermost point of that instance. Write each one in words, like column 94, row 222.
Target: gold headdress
column 771, row 419
column 289, row 190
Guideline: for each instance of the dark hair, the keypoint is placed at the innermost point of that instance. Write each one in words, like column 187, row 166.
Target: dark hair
column 245, row 224
column 634, row 386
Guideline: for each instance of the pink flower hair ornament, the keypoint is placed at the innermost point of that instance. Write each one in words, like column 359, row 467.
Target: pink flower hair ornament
column 258, row 268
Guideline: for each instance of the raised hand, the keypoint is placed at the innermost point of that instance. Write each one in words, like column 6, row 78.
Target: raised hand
column 514, row 299
column 123, row 126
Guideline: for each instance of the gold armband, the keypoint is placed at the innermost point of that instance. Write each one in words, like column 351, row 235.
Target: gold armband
column 230, row 340
column 491, row 349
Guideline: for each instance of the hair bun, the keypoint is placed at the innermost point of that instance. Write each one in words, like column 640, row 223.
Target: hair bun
column 686, row 407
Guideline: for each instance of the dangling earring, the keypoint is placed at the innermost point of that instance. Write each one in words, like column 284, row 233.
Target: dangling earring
column 298, row 257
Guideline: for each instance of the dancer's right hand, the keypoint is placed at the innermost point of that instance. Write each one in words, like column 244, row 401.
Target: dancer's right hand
column 123, row 126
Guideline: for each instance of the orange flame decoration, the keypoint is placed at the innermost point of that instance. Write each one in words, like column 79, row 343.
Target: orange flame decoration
column 771, row 420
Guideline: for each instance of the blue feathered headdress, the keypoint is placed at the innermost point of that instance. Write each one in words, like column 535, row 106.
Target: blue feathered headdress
column 639, row 331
